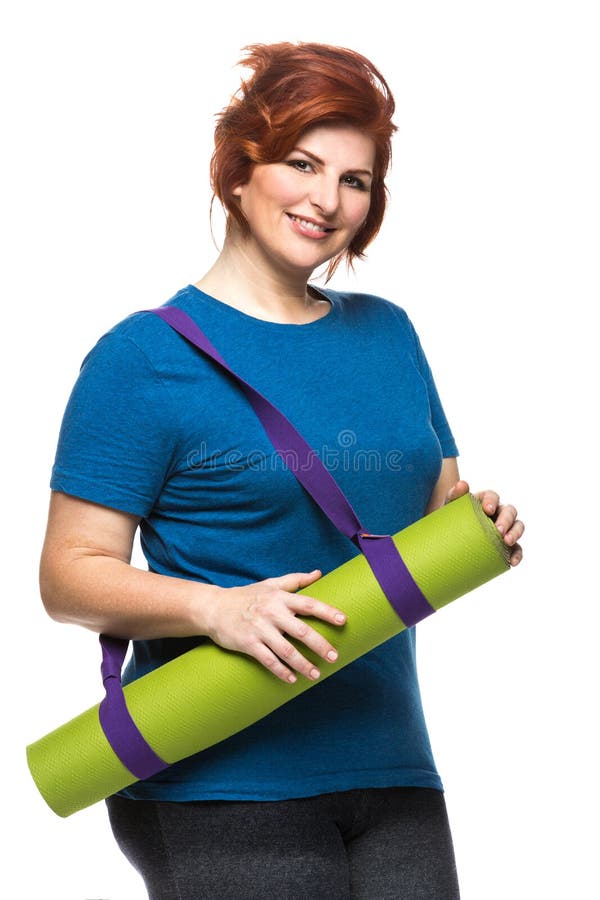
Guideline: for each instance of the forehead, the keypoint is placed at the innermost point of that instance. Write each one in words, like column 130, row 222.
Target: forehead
column 339, row 142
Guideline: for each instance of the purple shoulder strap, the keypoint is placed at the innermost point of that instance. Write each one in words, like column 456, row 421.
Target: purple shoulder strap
column 389, row 568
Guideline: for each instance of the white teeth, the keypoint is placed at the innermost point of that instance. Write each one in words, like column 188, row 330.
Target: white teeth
column 309, row 225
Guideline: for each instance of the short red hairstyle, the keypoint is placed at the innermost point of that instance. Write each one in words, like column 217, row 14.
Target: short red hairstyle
column 295, row 87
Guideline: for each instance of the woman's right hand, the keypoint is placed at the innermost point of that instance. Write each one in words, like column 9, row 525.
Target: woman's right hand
column 254, row 619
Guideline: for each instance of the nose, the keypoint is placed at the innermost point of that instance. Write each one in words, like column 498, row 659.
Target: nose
column 325, row 194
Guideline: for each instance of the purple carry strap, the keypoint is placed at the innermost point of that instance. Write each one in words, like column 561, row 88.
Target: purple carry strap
column 387, row 565
column 121, row 731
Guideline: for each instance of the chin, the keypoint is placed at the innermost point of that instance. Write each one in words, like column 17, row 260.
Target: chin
column 300, row 259
column 308, row 262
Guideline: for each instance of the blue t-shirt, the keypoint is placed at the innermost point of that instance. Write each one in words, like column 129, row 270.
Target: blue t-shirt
column 156, row 429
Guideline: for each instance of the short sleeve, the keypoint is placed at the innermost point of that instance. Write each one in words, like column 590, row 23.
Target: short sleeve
column 117, row 439
column 438, row 416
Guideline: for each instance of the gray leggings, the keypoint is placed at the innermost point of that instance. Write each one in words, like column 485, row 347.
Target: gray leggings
column 367, row 844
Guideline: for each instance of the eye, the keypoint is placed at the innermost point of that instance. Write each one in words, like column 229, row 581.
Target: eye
column 354, row 182
column 301, row 165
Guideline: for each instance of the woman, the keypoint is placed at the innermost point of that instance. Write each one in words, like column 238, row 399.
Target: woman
column 336, row 794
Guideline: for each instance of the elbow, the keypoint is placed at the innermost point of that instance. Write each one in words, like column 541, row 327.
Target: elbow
column 51, row 603
column 52, row 592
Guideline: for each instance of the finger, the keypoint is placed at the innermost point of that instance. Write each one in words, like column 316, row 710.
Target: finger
column 516, row 555
column 489, row 500
column 505, row 518
column 271, row 661
column 290, row 655
column 514, row 533
column 308, row 606
column 302, row 631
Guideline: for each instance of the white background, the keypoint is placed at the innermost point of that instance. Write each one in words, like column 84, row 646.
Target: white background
column 490, row 244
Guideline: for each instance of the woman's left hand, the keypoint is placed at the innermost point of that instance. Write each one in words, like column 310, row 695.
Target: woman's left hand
column 504, row 516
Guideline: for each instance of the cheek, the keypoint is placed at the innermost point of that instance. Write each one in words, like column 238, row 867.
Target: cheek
column 277, row 187
column 358, row 210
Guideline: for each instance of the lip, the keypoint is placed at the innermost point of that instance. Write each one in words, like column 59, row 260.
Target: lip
column 307, row 232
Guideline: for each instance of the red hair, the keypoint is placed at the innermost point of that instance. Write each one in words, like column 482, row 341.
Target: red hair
column 294, row 87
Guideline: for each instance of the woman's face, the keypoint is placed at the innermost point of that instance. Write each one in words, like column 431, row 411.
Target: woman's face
column 306, row 209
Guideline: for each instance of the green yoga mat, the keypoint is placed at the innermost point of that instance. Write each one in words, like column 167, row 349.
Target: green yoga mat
column 208, row 693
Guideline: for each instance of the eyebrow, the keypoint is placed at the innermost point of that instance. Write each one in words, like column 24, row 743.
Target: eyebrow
column 321, row 163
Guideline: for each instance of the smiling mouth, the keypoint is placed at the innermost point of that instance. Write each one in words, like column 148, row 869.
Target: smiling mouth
column 310, row 226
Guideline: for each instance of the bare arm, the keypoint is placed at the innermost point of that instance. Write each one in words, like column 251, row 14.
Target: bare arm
column 86, row 578
column 448, row 478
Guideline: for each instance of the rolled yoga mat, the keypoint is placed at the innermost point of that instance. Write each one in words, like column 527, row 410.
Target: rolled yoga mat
column 209, row 694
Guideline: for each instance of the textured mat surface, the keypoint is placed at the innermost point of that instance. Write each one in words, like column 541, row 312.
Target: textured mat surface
column 208, row 693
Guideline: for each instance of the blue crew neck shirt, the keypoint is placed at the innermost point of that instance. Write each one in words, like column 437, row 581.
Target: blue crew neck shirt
column 156, row 429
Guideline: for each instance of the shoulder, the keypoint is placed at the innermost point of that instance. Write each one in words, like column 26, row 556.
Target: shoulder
column 137, row 338
column 373, row 310
column 365, row 303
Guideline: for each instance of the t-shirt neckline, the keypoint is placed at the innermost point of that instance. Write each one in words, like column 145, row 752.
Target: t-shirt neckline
column 238, row 313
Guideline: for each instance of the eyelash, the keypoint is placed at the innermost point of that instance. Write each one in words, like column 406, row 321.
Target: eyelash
column 358, row 184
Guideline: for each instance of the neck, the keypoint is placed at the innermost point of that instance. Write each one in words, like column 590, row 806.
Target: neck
column 258, row 287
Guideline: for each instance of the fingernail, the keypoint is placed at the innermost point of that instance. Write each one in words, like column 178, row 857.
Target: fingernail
column 291, row 679
column 314, row 673
column 332, row 655
column 490, row 507
column 340, row 618
column 501, row 529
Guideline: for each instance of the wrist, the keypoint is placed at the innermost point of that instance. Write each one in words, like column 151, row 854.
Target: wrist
column 204, row 601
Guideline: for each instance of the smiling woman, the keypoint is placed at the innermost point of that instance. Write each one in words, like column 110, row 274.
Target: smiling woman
column 314, row 194
column 336, row 795
column 294, row 87
column 302, row 150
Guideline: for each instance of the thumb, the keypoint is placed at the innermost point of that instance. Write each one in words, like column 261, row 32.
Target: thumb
column 457, row 490
column 293, row 581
